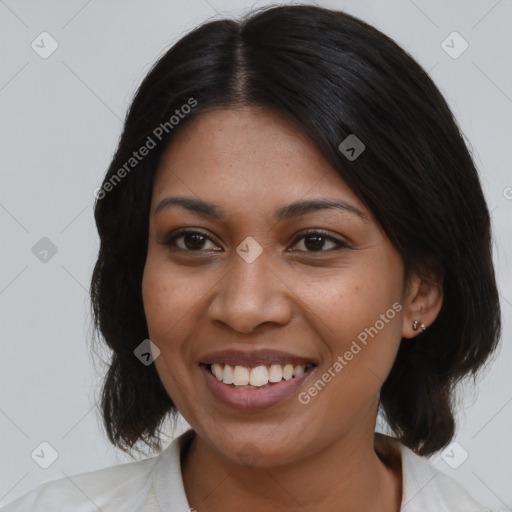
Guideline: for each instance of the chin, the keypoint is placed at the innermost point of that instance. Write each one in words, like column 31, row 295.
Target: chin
column 255, row 446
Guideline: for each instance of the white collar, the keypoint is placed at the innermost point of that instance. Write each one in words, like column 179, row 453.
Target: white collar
column 423, row 485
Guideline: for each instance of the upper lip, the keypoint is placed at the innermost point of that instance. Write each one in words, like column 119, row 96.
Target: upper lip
column 254, row 358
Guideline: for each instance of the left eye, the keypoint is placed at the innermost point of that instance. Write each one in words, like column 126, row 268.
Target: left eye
column 193, row 241
column 317, row 240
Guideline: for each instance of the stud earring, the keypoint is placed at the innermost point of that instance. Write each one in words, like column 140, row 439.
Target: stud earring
column 415, row 325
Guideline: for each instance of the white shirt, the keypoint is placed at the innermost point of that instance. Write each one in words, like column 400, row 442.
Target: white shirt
column 156, row 485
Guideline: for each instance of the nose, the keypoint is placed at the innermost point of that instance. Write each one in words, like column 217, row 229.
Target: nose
column 251, row 294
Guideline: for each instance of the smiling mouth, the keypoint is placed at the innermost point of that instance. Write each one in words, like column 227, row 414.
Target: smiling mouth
column 257, row 377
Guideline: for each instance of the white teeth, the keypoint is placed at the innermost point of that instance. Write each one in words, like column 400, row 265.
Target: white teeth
column 241, row 376
column 276, row 373
column 227, row 378
column 298, row 370
column 217, row 370
column 288, row 371
column 257, row 376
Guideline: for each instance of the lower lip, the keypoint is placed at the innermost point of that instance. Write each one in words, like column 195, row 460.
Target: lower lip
column 257, row 398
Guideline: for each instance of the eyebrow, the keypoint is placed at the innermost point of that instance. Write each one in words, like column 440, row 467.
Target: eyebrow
column 295, row 209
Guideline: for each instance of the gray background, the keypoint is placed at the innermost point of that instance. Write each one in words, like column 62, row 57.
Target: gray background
column 60, row 121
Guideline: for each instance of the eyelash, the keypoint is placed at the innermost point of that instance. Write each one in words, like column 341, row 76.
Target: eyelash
column 170, row 241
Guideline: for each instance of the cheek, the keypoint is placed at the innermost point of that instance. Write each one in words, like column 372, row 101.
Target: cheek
column 156, row 299
column 169, row 298
column 173, row 299
column 166, row 303
column 347, row 305
column 359, row 318
column 362, row 347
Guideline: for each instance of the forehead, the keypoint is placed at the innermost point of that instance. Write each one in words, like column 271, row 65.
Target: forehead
column 246, row 157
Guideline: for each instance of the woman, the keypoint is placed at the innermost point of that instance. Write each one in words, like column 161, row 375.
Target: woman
column 293, row 219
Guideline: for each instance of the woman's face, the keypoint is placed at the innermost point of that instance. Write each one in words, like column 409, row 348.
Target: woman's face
column 252, row 289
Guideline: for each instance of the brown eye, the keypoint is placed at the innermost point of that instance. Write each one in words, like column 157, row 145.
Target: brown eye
column 194, row 241
column 314, row 241
column 189, row 241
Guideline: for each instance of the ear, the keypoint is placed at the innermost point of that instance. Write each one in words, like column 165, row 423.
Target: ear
column 423, row 298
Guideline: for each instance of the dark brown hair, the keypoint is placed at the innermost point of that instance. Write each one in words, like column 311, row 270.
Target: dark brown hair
column 332, row 75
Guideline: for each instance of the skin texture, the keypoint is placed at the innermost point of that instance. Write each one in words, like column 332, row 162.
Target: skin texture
column 293, row 297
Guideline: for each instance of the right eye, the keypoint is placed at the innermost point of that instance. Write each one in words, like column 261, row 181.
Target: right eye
column 192, row 241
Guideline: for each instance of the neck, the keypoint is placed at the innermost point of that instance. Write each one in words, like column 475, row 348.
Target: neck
column 346, row 476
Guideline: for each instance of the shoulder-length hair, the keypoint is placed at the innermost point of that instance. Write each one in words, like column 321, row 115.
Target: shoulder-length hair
column 332, row 75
